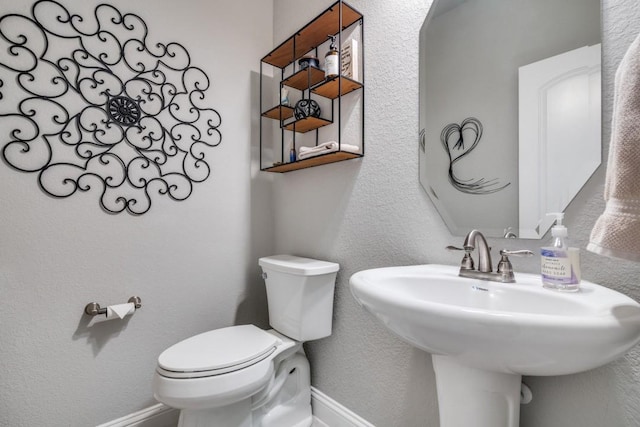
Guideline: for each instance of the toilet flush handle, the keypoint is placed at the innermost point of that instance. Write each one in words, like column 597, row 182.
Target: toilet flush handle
column 264, row 276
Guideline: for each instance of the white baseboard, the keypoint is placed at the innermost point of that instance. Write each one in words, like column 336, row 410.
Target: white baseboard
column 329, row 413
column 158, row 415
column 326, row 413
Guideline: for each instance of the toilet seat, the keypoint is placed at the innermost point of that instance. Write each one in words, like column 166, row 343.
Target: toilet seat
column 238, row 376
column 217, row 352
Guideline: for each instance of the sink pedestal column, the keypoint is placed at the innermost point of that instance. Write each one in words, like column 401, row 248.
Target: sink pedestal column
column 474, row 397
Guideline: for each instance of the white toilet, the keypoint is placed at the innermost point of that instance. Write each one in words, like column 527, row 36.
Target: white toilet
column 243, row 376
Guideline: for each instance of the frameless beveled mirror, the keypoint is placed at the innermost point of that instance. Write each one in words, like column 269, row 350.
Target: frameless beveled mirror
column 509, row 111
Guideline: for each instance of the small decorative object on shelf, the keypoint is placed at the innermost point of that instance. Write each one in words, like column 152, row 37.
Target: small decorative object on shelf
column 331, row 60
column 306, row 108
column 284, row 97
column 349, row 66
column 306, row 61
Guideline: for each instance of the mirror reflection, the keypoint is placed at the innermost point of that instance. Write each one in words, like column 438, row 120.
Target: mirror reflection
column 509, row 110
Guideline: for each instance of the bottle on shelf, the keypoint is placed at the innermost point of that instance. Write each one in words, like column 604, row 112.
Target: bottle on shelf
column 331, row 60
column 284, row 97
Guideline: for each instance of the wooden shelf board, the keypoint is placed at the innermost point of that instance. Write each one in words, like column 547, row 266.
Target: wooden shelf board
column 336, row 156
column 279, row 112
column 305, row 78
column 282, row 55
column 330, row 88
column 307, row 124
column 312, row 35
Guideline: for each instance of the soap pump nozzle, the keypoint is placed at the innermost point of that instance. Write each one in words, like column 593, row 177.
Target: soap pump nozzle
column 333, row 45
column 558, row 231
column 558, row 216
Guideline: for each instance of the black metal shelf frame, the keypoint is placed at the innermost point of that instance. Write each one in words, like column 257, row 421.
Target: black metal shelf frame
column 310, row 86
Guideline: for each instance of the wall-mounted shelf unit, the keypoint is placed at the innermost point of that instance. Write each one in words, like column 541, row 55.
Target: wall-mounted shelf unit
column 280, row 129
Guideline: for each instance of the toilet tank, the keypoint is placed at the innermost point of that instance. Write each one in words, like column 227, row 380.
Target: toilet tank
column 300, row 295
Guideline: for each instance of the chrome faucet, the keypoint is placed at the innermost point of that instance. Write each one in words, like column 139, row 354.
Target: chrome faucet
column 473, row 239
column 504, row 271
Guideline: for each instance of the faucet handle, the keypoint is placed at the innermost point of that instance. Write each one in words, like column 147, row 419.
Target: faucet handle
column 467, row 260
column 504, row 266
column 521, row 252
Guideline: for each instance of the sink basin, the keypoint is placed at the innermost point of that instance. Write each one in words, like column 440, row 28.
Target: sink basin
column 517, row 327
column 497, row 331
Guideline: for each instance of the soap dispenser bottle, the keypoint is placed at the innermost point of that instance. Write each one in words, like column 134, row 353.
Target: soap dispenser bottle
column 331, row 60
column 560, row 266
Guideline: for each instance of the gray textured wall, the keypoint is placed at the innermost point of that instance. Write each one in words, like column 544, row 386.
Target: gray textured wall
column 193, row 263
column 197, row 269
column 373, row 213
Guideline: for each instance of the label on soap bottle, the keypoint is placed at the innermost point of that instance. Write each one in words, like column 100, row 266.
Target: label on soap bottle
column 331, row 66
column 555, row 266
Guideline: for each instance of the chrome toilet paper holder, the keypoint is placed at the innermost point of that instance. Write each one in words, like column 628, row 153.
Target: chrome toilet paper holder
column 94, row 309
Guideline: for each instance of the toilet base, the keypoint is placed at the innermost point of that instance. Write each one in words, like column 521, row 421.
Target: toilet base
column 237, row 414
column 284, row 402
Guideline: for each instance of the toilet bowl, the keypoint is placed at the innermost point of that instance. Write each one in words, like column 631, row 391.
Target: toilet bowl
column 244, row 376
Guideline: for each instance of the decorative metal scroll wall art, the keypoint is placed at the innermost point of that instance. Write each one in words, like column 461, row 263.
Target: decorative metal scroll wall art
column 458, row 141
column 96, row 105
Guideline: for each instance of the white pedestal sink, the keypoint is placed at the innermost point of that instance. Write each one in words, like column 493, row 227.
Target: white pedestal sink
column 485, row 335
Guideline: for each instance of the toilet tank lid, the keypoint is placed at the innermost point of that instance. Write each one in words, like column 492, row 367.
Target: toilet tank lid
column 298, row 265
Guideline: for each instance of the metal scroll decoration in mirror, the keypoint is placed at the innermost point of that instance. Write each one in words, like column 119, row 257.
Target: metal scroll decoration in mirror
column 458, row 140
column 97, row 106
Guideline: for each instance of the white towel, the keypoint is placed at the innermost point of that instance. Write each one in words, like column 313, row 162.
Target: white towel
column 324, row 148
column 617, row 231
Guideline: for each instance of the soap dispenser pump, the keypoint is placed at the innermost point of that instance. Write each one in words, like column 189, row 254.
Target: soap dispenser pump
column 559, row 232
column 560, row 265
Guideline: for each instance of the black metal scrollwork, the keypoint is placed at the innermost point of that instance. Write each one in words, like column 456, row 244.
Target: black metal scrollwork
column 123, row 110
column 96, row 104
